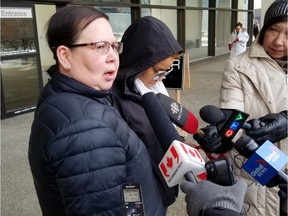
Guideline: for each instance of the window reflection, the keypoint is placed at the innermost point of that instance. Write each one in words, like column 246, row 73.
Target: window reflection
column 119, row 18
column 197, row 33
column 222, row 31
column 17, row 37
column 20, row 83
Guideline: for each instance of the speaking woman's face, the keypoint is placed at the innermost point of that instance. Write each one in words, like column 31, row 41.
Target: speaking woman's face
column 95, row 64
column 275, row 40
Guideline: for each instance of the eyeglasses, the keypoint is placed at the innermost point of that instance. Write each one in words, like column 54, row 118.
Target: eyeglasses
column 102, row 47
column 161, row 73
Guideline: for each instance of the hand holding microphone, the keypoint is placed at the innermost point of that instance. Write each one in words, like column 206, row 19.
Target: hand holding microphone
column 210, row 141
column 224, row 125
column 271, row 127
column 208, row 197
column 264, row 161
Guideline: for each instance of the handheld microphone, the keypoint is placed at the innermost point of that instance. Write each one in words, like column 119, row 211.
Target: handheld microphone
column 178, row 163
column 182, row 162
column 168, row 136
column 159, row 120
column 228, row 121
column 178, row 114
column 264, row 162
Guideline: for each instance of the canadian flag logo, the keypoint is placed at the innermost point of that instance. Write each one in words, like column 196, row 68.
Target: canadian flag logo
column 192, row 153
column 169, row 161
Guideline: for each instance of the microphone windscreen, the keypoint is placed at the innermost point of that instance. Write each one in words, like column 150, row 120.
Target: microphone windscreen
column 159, row 120
column 178, row 114
column 246, row 146
column 212, row 114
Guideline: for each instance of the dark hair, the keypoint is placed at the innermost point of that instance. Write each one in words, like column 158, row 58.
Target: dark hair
column 277, row 12
column 239, row 24
column 65, row 26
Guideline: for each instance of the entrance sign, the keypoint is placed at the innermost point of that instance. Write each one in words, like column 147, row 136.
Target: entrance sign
column 16, row 13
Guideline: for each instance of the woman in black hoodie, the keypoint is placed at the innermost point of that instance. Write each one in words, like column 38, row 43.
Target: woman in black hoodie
column 149, row 49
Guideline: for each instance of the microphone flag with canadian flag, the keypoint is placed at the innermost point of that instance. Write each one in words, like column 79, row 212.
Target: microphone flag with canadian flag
column 179, row 160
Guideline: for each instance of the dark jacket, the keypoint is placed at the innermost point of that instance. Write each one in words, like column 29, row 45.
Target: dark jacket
column 81, row 151
column 146, row 42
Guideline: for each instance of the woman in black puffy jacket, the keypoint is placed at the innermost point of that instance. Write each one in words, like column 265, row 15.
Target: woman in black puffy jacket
column 80, row 149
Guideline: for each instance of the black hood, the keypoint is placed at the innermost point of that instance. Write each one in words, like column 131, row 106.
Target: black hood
column 147, row 41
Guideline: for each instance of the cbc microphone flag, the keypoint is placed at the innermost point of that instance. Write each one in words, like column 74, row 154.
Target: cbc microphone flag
column 265, row 163
column 180, row 159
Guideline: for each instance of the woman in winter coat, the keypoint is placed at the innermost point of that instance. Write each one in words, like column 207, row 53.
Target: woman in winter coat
column 256, row 82
column 80, row 150
column 149, row 50
column 238, row 39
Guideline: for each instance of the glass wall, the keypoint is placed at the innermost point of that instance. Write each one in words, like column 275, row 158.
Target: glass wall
column 119, row 18
column 197, row 34
column 169, row 17
column 19, row 60
column 159, row 2
column 243, row 18
column 223, row 32
column 20, row 83
column 201, row 26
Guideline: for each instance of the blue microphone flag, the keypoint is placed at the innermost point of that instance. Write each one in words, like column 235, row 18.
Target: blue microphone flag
column 266, row 162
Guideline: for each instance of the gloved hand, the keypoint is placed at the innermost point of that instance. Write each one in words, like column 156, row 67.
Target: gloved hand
column 276, row 181
column 283, row 199
column 271, row 127
column 237, row 39
column 283, row 191
column 210, row 141
column 206, row 195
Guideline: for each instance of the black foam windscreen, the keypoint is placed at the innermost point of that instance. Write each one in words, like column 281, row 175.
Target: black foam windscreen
column 159, row 120
column 212, row 114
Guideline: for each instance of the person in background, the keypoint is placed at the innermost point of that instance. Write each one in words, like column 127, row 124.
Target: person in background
column 81, row 151
column 256, row 82
column 149, row 50
column 238, row 40
column 256, row 28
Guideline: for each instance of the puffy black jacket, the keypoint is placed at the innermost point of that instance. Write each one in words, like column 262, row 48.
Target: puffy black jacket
column 81, row 151
column 146, row 42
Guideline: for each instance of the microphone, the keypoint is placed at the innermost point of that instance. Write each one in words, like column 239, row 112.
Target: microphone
column 182, row 162
column 217, row 137
column 178, row 163
column 159, row 120
column 264, row 162
column 178, row 114
column 228, row 121
column 170, row 141
column 212, row 114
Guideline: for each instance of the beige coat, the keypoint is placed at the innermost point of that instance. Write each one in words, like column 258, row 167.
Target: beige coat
column 257, row 85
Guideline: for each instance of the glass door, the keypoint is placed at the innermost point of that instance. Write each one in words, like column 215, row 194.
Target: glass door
column 20, row 82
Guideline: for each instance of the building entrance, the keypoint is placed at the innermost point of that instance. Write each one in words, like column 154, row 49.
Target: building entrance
column 20, row 82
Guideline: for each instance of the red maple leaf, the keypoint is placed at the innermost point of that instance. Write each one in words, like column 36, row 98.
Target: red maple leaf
column 169, row 162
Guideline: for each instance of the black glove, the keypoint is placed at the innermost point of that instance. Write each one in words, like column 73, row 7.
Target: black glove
column 207, row 195
column 283, row 191
column 211, row 142
column 275, row 181
column 271, row 127
column 283, row 199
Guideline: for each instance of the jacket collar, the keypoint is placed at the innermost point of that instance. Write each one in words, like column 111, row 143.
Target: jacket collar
column 65, row 84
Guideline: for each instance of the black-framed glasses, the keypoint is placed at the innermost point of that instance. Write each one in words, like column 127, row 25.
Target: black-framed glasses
column 102, row 47
column 161, row 73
